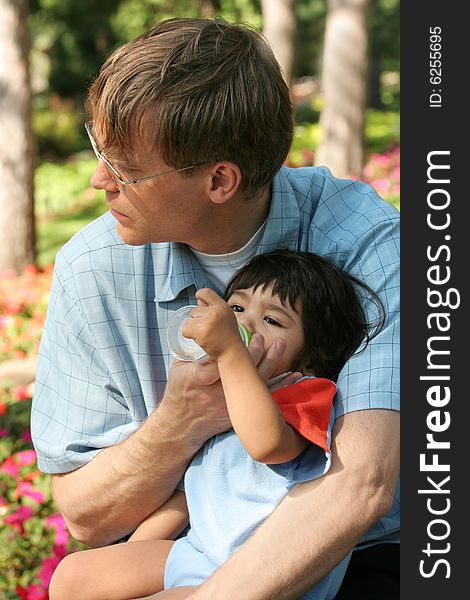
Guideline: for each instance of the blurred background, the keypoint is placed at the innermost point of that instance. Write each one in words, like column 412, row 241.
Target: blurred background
column 341, row 61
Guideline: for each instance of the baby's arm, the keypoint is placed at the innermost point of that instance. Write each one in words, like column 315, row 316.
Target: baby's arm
column 254, row 414
column 166, row 522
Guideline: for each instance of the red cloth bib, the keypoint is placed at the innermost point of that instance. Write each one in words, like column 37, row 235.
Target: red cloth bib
column 306, row 406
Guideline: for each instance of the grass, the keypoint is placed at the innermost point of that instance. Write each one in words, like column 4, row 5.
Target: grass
column 54, row 231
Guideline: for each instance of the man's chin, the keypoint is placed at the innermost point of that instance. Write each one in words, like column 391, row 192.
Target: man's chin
column 131, row 237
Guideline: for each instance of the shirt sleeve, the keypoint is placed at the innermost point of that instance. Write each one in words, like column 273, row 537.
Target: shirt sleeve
column 357, row 230
column 308, row 407
column 371, row 378
column 76, row 410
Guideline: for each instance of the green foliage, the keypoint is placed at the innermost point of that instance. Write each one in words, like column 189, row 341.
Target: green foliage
column 58, row 131
column 77, row 37
column 65, row 203
column 60, row 187
column 135, row 16
column 311, row 16
column 384, row 25
column 382, row 130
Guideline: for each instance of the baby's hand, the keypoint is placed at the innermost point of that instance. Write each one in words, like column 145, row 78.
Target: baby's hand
column 213, row 325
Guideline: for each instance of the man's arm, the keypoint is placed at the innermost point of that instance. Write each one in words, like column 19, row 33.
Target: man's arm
column 319, row 522
column 110, row 496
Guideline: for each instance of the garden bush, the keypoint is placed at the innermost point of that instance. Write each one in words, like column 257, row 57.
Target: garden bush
column 33, row 535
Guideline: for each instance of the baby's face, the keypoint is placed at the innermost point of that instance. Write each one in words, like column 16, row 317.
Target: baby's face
column 262, row 312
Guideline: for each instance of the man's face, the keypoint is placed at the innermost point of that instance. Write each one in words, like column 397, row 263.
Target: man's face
column 165, row 208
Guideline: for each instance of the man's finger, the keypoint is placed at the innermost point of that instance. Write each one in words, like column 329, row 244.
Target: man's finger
column 281, row 381
column 269, row 364
column 256, row 348
column 207, row 371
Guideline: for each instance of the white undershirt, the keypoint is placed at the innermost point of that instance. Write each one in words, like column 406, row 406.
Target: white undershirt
column 221, row 267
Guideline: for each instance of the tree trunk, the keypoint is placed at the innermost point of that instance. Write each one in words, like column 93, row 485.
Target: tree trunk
column 209, row 8
column 17, row 237
column 279, row 28
column 344, row 84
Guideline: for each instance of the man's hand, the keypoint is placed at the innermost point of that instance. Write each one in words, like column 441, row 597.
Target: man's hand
column 194, row 399
column 194, row 396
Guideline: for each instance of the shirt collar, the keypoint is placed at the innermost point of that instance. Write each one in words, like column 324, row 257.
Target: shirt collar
column 176, row 268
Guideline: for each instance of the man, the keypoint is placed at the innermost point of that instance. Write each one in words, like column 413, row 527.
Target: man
column 191, row 123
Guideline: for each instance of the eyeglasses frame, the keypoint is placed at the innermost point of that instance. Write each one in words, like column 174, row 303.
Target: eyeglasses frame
column 124, row 182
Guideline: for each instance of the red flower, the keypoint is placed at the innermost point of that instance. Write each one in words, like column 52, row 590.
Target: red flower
column 22, row 592
column 3, row 408
column 21, row 393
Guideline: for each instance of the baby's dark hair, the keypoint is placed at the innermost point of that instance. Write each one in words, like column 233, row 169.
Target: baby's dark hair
column 334, row 321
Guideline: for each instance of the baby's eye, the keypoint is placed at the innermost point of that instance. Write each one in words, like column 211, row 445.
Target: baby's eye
column 271, row 321
column 237, row 308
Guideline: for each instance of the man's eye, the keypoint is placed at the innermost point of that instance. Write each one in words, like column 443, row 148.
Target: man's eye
column 271, row 321
column 237, row 308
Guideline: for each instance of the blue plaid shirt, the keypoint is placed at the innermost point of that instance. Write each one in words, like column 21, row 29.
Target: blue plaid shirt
column 103, row 361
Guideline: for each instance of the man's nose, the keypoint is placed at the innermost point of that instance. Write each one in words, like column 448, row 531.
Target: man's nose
column 102, row 179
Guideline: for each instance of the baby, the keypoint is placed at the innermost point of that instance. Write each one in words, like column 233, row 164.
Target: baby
column 278, row 439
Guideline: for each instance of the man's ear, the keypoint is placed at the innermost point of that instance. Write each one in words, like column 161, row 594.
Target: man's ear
column 225, row 180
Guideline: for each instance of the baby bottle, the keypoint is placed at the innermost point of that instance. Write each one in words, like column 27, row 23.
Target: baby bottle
column 184, row 348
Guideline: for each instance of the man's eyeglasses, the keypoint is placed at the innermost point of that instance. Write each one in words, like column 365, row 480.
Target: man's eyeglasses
column 116, row 176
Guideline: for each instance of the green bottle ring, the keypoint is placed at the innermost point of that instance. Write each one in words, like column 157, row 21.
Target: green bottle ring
column 245, row 333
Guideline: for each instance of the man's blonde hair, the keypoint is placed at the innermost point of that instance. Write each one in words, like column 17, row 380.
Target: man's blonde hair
column 202, row 91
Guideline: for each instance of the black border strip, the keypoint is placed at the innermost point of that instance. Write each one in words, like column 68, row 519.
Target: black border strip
column 434, row 129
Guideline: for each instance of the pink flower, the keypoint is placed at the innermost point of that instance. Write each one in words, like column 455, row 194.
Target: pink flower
column 25, row 457
column 3, row 432
column 381, row 185
column 55, row 520
column 26, row 436
column 19, row 517
column 49, row 565
column 36, row 592
column 10, row 467
column 62, row 535
column 7, row 274
column 25, row 488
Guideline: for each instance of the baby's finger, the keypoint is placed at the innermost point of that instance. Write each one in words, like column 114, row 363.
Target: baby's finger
column 209, row 297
